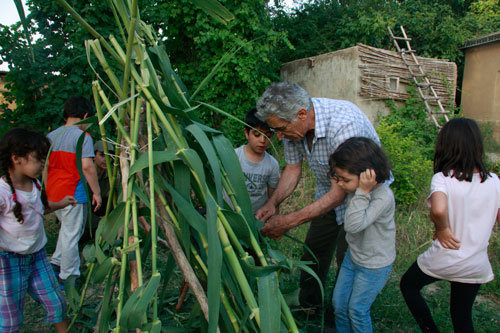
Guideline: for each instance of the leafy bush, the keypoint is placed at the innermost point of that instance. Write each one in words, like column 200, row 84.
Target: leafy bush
column 408, row 137
column 489, row 142
column 414, row 122
column 494, row 167
column 411, row 167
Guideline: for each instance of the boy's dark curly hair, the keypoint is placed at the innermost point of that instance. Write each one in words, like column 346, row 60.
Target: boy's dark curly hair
column 77, row 107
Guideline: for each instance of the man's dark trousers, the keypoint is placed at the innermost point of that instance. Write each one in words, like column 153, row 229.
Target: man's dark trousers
column 323, row 237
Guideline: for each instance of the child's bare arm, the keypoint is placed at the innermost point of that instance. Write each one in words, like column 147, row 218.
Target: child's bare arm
column 67, row 200
column 439, row 215
column 90, row 173
column 270, row 191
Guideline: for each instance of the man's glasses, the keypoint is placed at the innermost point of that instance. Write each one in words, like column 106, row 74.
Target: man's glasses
column 278, row 129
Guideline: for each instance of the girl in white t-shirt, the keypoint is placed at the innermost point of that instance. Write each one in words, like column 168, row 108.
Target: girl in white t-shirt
column 464, row 203
column 24, row 267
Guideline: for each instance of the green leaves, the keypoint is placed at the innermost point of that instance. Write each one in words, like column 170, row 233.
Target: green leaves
column 209, row 151
column 214, row 266
column 134, row 311
column 235, row 175
column 109, row 226
column 269, row 303
column 158, row 158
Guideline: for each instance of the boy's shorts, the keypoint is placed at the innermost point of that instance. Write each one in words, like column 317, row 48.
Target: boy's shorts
column 32, row 273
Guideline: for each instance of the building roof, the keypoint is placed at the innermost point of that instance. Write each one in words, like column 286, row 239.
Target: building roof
column 486, row 39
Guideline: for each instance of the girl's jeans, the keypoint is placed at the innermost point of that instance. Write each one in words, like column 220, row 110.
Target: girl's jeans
column 355, row 291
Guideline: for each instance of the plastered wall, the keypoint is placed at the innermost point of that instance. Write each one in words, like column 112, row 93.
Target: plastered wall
column 481, row 85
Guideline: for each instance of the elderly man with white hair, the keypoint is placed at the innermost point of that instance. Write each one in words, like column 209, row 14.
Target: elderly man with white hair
column 311, row 129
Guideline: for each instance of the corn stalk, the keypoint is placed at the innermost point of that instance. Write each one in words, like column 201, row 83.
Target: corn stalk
column 174, row 173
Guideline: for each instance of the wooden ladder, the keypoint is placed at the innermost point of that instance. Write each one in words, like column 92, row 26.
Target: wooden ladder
column 420, row 78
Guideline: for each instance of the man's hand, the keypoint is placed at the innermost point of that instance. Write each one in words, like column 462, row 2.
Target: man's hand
column 447, row 239
column 276, row 227
column 96, row 201
column 367, row 180
column 266, row 211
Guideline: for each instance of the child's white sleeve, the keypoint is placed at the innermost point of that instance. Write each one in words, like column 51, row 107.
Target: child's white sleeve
column 438, row 184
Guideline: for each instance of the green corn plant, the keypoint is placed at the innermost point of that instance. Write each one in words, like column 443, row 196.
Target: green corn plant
column 180, row 180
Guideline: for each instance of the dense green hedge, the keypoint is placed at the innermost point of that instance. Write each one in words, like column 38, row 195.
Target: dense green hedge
column 408, row 137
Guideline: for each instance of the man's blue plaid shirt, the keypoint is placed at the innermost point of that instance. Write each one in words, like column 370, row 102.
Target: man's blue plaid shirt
column 335, row 122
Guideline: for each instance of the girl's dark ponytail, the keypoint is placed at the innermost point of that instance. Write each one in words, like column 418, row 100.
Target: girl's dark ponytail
column 17, row 207
column 43, row 195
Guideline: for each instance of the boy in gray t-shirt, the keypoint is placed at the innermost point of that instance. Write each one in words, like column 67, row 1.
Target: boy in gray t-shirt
column 260, row 168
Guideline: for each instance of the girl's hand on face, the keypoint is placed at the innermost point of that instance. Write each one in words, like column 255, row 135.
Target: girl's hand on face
column 367, row 180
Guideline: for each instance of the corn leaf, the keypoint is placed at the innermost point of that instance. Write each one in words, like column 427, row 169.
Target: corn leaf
column 239, row 226
column 232, row 166
column 24, row 22
column 72, row 295
column 269, row 303
column 141, row 195
column 215, row 9
column 166, row 274
column 174, row 88
column 209, row 151
column 158, row 157
column 109, row 226
column 204, row 127
column 214, row 266
column 137, row 305
column 186, row 208
column 89, row 253
column 169, row 109
column 115, row 107
column 259, row 271
column 106, row 308
column 182, row 183
column 102, row 271
column 193, row 161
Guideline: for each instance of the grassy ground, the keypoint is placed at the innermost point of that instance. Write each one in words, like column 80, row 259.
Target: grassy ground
column 389, row 312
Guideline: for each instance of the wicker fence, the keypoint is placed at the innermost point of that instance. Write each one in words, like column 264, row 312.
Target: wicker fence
column 382, row 71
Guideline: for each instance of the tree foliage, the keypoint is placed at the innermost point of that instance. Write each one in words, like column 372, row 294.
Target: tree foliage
column 196, row 44
column 60, row 68
column 195, row 41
